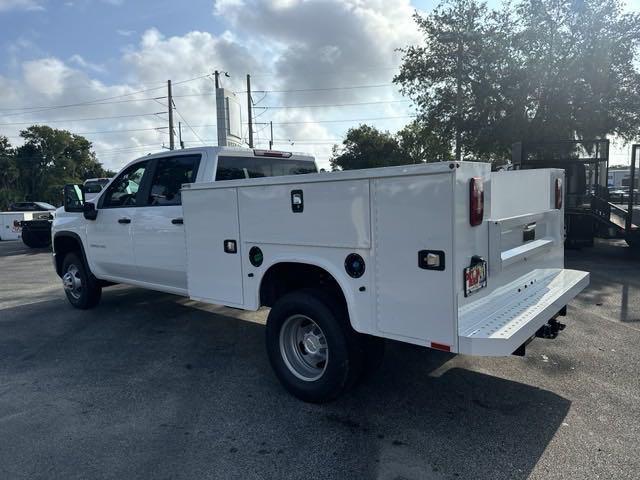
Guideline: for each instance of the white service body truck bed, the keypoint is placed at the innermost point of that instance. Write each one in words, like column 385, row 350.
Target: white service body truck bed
column 392, row 218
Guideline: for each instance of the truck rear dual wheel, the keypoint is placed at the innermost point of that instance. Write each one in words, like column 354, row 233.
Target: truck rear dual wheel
column 82, row 290
column 312, row 348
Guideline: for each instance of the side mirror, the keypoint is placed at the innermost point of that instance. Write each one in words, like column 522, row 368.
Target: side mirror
column 89, row 211
column 73, row 198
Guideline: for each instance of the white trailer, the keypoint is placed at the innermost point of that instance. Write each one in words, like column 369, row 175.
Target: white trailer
column 446, row 255
column 10, row 224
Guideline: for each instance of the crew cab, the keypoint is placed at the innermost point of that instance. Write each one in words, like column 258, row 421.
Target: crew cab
column 444, row 255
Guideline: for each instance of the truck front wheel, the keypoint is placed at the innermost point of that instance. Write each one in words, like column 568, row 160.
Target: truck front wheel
column 313, row 350
column 81, row 288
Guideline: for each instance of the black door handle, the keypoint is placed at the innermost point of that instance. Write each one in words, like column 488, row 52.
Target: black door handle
column 124, row 220
column 177, row 221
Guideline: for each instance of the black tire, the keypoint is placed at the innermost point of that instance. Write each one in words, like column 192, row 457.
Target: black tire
column 33, row 240
column 345, row 356
column 89, row 292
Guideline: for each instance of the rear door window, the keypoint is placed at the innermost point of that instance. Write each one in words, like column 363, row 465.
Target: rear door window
column 169, row 176
column 236, row 168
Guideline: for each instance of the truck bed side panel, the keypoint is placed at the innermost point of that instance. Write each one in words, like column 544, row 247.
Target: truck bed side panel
column 211, row 217
column 413, row 214
column 334, row 214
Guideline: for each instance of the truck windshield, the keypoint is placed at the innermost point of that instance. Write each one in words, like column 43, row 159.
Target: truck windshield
column 236, row 168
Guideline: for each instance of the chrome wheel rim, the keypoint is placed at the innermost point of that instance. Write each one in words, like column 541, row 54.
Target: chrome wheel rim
column 303, row 347
column 72, row 282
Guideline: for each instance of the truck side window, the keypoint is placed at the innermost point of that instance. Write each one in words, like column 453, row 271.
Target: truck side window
column 123, row 191
column 236, row 167
column 169, row 175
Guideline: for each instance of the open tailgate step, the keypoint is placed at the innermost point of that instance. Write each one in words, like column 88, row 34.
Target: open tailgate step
column 496, row 325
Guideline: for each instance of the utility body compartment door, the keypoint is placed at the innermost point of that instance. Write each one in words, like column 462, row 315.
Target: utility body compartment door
column 211, row 218
column 412, row 214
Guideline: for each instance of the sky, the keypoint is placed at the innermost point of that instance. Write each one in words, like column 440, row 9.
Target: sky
column 317, row 68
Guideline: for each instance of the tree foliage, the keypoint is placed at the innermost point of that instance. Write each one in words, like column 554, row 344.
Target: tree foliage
column 533, row 70
column 367, row 147
column 46, row 161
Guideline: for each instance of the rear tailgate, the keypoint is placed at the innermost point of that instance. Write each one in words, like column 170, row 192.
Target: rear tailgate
column 526, row 281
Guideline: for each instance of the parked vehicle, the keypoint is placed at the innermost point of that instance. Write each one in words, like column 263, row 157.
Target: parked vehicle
column 93, row 186
column 29, row 221
column 445, row 255
column 36, row 233
column 31, row 207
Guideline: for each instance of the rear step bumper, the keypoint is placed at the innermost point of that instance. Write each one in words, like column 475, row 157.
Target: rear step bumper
column 496, row 325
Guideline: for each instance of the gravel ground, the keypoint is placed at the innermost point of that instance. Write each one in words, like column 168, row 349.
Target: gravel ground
column 150, row 385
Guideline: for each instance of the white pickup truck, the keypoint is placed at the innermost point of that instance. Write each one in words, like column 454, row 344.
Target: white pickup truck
column 444, row 255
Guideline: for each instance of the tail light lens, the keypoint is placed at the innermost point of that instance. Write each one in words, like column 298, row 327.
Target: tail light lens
column 476, row 201
column 558, row 193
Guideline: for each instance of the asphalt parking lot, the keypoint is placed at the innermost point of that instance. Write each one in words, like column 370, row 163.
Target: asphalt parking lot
column 150, row 385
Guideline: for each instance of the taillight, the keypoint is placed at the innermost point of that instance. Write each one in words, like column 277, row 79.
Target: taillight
column 558, row 193
column 476, row 201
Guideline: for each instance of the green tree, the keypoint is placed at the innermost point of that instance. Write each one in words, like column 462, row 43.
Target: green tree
column 8, row 173
column 533, row 70
column 50, row 158
column 418, row 144
column 366, row 147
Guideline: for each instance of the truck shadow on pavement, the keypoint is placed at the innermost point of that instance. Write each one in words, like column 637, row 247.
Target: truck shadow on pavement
column 9, row 248
column 146, row 387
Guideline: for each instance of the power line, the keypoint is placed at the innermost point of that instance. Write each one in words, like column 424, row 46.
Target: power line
column 326, row 105
column 336, row 71
column 323, row 89
column 124, row 130
column 83, row 105
column 95, row 101
column 42, row 122
column 324, row 121
column 187, row 124
column 343, row 120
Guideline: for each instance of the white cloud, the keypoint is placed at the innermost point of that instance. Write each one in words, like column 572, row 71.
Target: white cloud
column 46, row 76
column 283, row 44
column 81, row 62
column 28, row 5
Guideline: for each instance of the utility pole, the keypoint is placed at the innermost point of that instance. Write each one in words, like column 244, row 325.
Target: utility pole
column 216, row 74
column 271, row 141
column 170, row 104
column 249, row 109
column 180, row 134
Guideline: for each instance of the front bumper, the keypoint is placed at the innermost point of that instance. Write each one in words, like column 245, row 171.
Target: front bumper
column 498, row 324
